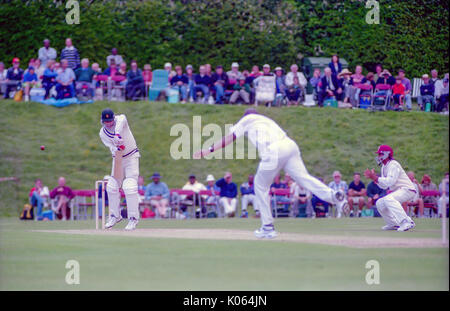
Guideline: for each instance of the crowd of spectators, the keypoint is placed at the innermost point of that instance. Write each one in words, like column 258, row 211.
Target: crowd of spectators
column 72, row 75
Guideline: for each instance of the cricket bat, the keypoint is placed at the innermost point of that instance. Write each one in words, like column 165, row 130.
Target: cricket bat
column 118, row 171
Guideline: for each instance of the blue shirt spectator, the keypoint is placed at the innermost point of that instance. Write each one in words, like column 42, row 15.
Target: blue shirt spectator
column 228, row 190
column 157, row 189
column 30, row 75
column 183, row 78
column 71, row 54
column 246, row 188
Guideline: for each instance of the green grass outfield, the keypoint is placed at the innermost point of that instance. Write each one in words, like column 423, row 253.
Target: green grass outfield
column 32, row 260
column 329, row 138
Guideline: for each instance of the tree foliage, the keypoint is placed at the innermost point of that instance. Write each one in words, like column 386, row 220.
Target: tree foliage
column 411, row 34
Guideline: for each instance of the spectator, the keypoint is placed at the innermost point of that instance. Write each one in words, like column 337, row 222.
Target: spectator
column 301, row 201
column 441, row 94
column 219, row 81
column 416, row 201
column 58, row 67
column 338, row 185
column 370, row 79
column 70, row 53
column 170, row 72
column 329, row 87
column 386, row 78
column 211, row 186
column 280, row 86
column 241, row 90
column 114, row 56
column 135, row 82
column 293, row 93
column 180, row 83
column 398, row 93
column 96, row 68
column 158, row 193
column 64, row 80
column 191, row 77
column 84, row 76
column 346, row 84
column 63, row 194
column 266, row 70
column 46, row 53
column 29, row 80
column 38, row 69
column 426, row 93
column 3, row 73
column 378, row 72
column 320, row 207
column 112, row 69
column 195, row 186
column 335, row 65
column 141, row 184
column 356, row 193
column 228, row 194
column 434, row 76
column 295, row 73
column 49, row 79
column 373, row 194
column 253, row 75
column 408, row 88
column 208, row 70
column 277, row 184
column 444, row 191
column 427, row 185
column 39, row 195
column 14, row 77
column 202, row 83
column 147, row 74
column 315, row 80
column 233, row 74
column 356, row 79
column 248, row 196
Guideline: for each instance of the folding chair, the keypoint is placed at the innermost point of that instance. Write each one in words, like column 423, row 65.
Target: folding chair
column 81, row 204
column 176, row 201
column 380, row 98
column 160, row 82
column 214, row 205
column 286, row 193
column 433, row 208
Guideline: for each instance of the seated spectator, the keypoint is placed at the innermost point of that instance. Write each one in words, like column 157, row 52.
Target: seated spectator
column 301, row 201
column 46, row 53
column 444, row 191
column 346, row 84
column 386, row 78
column 248, row 196
column 208, row 68
column 180, row 83
column 356, row 79
column 29, row 80
column 427, row 185
column 14, row 77
column 96, row 68
column 277, row 184
column 441, row 93
column 253, row 75
column 315, row 80
column 202, row 83
column 58, row 67
column 434, row 76
column 195, row 186
column 211, row 186
column 168, row 68
column 398, row 93
column 374, row 192
column 39, row 195
column 191, row 77
column 64, row 80
column 356, row 193
column 112, row 69
column 114, row 57
column 408, row 88
column 71, row 55
column 417, row 201
column 121, row 74
column 147, row 74
column 301, row 78
column 335, row 65
column 219, row 81
column 294, row 92
column 228, row 194
column 3, row 73
column 426, row 93
column 330, row 87
column 49, row 79
column 135, row 86
column 84, row 77
column 233, row 74
column 320, row 206
column 280, row 86
column 141, row 188
column 370, row 80
column 378, row 72
column 38, row 69
column 63, row 194
column 241, row 90
column 158, row 194
column 338, row 184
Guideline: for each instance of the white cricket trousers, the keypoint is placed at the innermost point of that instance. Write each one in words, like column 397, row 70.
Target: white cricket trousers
column 284, row 154
column 130, row 167
column 390, row 206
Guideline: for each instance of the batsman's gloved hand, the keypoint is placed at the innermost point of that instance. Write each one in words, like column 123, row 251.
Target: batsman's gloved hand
column 118, row 141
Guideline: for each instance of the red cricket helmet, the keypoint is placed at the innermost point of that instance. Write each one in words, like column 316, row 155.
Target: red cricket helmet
column 384, row 152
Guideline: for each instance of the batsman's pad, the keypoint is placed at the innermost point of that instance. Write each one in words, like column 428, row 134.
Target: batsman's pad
column 112, row 186
column 346, row 209
column 130, row 186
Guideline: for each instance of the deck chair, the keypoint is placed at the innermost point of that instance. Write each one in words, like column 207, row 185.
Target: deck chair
column 381, row 96
column 285, row 193
column 176, row 201
column 160, row 82
column 417, row 83
column 265, row 90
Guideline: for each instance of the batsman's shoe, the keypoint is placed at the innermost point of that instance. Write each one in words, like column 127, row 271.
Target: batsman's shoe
column 406, row 225
column 244, row 214
column 112, row 220
column 131, row 224
column 343, row 207
column 339, row 195
column 267, row 232
column 389, row 227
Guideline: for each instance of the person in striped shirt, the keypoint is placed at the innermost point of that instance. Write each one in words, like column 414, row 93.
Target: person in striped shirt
column 71, row 54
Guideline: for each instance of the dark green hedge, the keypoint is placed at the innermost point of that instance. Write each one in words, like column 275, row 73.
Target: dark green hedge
column 411, row 34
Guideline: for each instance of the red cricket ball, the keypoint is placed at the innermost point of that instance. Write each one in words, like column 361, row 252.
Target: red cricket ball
column 42, row 147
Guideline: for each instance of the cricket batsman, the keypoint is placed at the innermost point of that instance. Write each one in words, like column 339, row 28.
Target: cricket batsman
column 277, row 151
column 116, row 135
column 393, row 178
